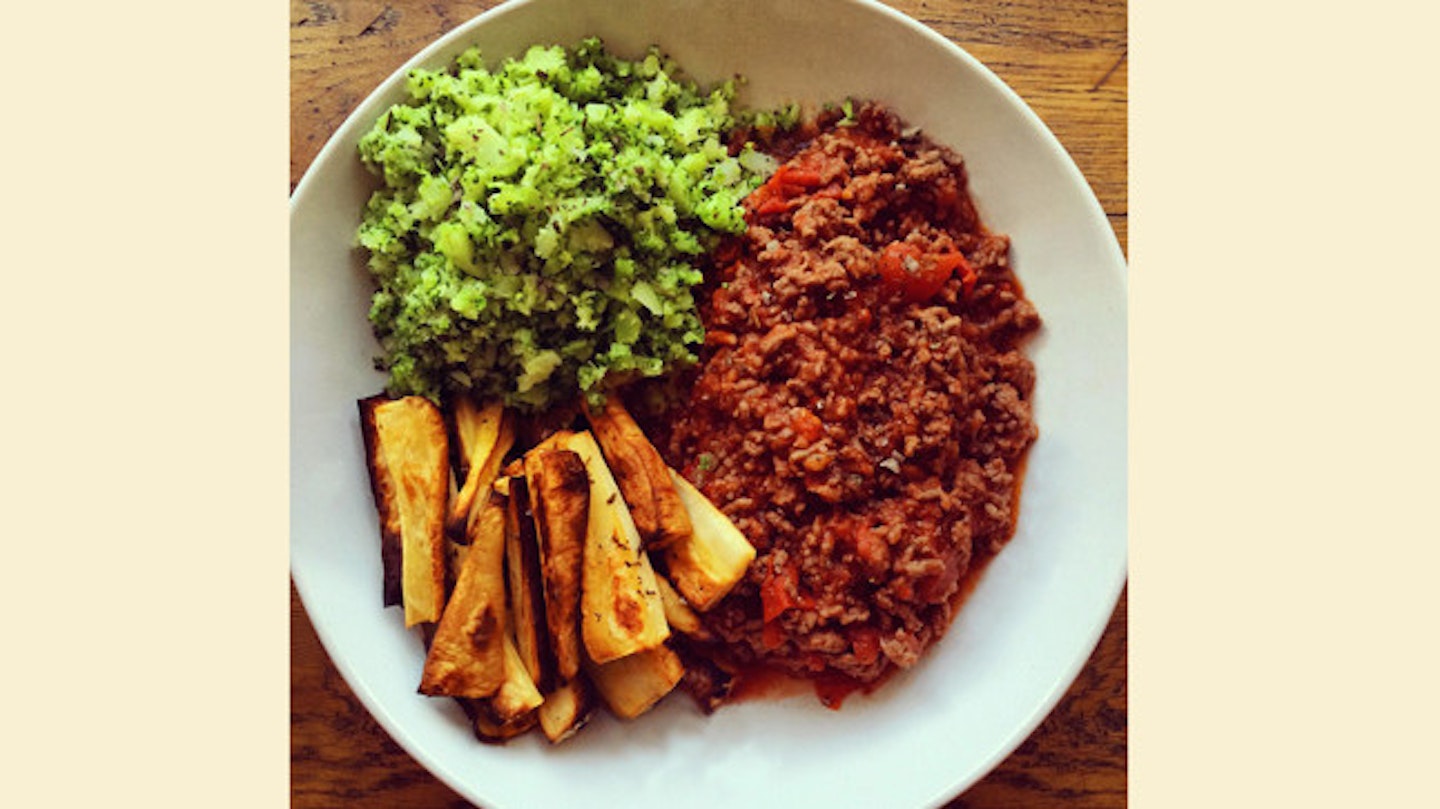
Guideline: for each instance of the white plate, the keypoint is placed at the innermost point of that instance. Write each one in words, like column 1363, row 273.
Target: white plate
column 1038, row 610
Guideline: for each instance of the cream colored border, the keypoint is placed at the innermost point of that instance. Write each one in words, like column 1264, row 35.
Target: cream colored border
column 144, row 328
column 1284, row 551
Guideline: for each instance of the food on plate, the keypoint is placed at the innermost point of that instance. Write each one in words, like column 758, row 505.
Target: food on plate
column 565, row 710
column 518, row 695
column 467, row 653
column 723, row 391
column 715, row 555
column 700, row 549
column 526, row 587
column 484, row 436
column 538, row 227
column 621, row 611
column 644, row 479
column 407, row 453
column 556, row 606
column 709, row 683
column 861, row 411
column 631, row 685
column 678, row 613
column 560, row 503
column 513, row 710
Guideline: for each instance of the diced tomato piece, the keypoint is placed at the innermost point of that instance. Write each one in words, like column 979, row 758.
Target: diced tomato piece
column 865, row 640
column 772, row 635
column 777, row 594
column 772, row 204
column 956, row 261
column 807, row 425
column 904, row 591
column 870, row 547
column 715, row 337
column 795, row 175
column 919, row 275
column 784, row 189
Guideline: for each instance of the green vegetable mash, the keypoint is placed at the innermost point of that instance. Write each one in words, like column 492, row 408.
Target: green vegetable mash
column 538, row 226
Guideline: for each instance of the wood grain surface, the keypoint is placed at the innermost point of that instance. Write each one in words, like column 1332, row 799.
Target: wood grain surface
column 1066, row 58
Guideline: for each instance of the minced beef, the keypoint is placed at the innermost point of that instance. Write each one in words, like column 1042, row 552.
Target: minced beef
column 861, row 408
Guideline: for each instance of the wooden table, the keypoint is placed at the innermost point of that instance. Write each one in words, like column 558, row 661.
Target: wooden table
column 1066, row 58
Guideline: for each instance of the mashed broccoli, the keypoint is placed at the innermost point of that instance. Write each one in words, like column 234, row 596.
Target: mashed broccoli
column 537, row 231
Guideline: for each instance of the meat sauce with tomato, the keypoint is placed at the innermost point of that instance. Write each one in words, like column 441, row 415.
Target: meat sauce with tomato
column 861, row 410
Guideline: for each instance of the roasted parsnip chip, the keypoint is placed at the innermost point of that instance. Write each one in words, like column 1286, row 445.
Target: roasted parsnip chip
column 473, row 427
column 490, row 728
column 467, row 657
column 620, row 601
column 714, row 559
column 408, row 454
column 633, row 684
column 527, row 589
column 382, row 487
column 512, row 710
column 641, row 474
column 566, row 710
column 678, row 613
column 560, row 499
column 485, row 435
column 517, row 695
column 455, row 553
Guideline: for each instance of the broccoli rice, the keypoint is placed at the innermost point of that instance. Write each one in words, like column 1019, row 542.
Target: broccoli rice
column 539, row 226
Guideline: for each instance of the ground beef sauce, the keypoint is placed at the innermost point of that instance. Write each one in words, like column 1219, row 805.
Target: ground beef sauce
column 861, row 408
